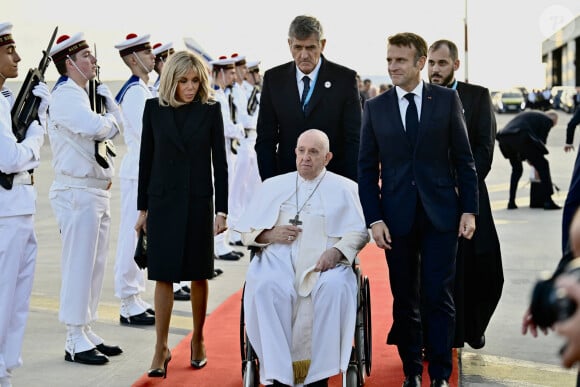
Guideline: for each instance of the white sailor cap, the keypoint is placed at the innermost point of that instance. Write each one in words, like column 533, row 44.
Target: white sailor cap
column 239, row 60
column 162, row 51
column 133, row 43
column 222, row 63
column 67, row 45
column 6, row 34
column 253, row 65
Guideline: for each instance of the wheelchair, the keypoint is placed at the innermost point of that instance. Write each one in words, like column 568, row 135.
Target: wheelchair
column 359, row 366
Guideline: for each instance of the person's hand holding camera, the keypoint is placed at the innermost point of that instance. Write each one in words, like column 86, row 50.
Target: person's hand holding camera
column 570, row 328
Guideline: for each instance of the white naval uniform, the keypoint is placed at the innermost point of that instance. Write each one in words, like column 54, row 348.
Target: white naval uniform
column 231, row 131
column 18, row 245
column 281, row 279
column 80, row 199
column 246, row 178
column 129, row 279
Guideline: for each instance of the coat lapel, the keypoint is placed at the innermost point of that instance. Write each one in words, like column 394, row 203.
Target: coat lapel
column 427, row 103
column 168, row 121
column 393, row 110
column 195, row 119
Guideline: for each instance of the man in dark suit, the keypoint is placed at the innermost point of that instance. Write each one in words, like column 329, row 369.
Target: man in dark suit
column 414, row 139
column 308, row 92
column 479, row 279
column 524, row 138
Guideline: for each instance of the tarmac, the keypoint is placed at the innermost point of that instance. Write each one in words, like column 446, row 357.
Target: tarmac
column 530, row 243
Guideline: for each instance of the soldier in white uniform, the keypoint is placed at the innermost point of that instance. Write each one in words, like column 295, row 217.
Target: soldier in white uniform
column 17, row 207
column 161, row 52
column 181, row 290
column 137, row 54
column 246, row 177
column 223, row 76
column 80, row 194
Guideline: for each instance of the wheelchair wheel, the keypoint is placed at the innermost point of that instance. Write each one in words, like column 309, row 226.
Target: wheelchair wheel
column 243, row 338
column 368, row 340
column 352, row 376
column 251, row 374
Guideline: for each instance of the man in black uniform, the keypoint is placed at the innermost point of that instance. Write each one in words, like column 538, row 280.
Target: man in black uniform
column 524, row 138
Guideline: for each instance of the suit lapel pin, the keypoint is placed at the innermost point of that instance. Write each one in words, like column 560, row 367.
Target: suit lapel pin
column 428, row 97
column 327, row 84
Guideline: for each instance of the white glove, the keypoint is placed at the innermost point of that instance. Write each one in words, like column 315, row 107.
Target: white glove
column 41, row 91
column 34, row 139
column 110, row 102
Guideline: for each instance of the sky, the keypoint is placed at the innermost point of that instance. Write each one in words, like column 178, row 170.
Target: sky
column 504, row 36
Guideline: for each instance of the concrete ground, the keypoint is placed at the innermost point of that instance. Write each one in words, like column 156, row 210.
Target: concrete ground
column 530, row 240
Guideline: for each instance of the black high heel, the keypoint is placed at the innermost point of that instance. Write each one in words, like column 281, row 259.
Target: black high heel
column 160, row 372
column 197, row 364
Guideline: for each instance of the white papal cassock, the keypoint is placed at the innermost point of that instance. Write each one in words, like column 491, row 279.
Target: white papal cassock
column 293, row 315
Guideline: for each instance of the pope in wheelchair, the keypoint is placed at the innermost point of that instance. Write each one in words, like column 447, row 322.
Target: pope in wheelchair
column 300, row 298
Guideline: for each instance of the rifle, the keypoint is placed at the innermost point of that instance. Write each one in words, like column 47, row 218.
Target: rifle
column 97, row 101
column 25, row 109
column 102, row 148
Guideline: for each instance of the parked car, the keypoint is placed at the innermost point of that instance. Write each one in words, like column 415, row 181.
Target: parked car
column 567, row 100
column 509, row 101
column 557, row 92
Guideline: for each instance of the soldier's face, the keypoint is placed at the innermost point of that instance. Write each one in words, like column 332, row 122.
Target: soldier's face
column 9, row 59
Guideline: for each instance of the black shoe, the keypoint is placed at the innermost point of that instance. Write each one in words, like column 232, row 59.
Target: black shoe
column 512, row 206
column 139, row 319
column 181, row 295
column 478, row 343
column 150, row 311
column 550, row 205
column 229, row 257
column 92, row 357
column 278, row 384
column 186, row 289
column 319, row 383
column 217, row 272
column 412, row 381
column 109, row 350
column 439, row 383
column 236, row 243
column 238, row 253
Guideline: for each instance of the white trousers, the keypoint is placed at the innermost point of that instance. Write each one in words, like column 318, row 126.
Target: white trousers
column 84, row 219
column 17, row 260
column 268, row 303
column 129, row 279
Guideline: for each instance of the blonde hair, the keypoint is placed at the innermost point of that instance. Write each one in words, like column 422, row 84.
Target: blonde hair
column 177, row 67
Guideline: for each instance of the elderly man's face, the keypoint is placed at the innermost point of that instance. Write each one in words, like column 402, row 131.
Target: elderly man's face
column 311, row 157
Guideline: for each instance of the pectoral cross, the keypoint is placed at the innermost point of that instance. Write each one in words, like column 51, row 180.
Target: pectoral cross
column 296, row 221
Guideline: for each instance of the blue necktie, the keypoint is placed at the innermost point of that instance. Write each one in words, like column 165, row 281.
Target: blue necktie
column 411, row 119
column 306, row 81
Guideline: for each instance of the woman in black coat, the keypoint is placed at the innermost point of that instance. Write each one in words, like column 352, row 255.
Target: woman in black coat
column 182, row 136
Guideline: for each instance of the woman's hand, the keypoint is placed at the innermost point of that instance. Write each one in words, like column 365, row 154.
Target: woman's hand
column 141, row 222
column 219, row 224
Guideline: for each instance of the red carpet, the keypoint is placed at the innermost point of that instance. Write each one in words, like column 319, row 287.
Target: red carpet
column 223, row 348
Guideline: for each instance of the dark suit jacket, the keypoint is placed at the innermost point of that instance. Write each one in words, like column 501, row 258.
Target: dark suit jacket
column 526, row 132
column 479, row 280
column 440, row 162
column 334, row 108
column 176, row 169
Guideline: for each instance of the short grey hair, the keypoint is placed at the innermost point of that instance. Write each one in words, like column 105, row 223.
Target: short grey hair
column 303, row 26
